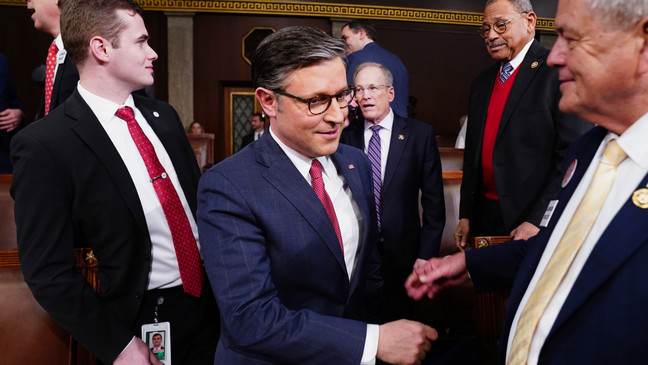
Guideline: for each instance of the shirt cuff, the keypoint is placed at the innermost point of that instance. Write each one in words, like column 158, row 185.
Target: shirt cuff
column 371, row 345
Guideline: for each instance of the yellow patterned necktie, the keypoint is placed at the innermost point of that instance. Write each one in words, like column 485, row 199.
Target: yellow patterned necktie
column 562, row 258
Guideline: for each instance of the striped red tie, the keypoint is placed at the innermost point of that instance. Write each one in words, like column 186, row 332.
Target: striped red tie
column 192, row 272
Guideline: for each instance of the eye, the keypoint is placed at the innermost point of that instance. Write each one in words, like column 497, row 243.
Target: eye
column 319, row 100
column 372, row 89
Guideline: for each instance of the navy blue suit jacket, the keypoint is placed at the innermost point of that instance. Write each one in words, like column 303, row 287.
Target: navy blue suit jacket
column 372, row 52
column 413, row 164
column 532, row 137
column 275, row 264
column 604, row 318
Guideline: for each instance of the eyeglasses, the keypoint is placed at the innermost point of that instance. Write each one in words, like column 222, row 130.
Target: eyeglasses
column 499, row 26
column 370, row 90
column 318, row 104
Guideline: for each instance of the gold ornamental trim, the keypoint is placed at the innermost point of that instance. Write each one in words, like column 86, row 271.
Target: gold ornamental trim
column 317, row 9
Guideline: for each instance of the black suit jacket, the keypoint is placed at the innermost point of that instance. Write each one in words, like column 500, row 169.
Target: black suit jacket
column 72, row 189
column 532, row 137
column 65, row 82
column 413, row 164
column 247, row 139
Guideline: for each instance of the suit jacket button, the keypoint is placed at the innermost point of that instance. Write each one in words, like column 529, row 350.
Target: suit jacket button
column 137, row 295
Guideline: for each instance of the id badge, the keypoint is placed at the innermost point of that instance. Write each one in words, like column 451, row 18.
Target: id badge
column 158, row 338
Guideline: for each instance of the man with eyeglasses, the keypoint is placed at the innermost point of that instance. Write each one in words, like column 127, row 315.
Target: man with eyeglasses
column 516, row 135
column 288, row 225
column 405, row 160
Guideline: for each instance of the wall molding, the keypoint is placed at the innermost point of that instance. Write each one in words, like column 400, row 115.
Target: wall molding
column 317, row 9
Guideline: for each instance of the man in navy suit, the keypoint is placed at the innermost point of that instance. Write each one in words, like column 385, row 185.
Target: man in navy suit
column 595, row 312
column 516, row 136
column 360, row 36
column 84, row 177
column 46, row 16
column 288, row 228
column 408, row 163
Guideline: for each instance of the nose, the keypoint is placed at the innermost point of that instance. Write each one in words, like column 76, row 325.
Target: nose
column 335, row 114
column 557, row 55
column 152, row 54
column 491, row 35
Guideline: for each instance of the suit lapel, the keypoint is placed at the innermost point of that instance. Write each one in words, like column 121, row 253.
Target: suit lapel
column 88, row 128
column 162, row 126
column 397, row 144
column 285, row 177
column 584, row 154
column 344, row 166
column 525, row 75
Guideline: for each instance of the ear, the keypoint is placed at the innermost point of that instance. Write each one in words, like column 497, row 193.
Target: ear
column 268, row 101
column 531, row 18
column 390, row 94
column 643, row 52
column 99, row 49
column 363, row 34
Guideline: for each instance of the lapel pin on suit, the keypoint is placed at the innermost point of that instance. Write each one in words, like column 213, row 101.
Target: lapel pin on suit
column 156, row 114
column 640, row 198
column 534, row 64
column 401, row 137
column 351, row 167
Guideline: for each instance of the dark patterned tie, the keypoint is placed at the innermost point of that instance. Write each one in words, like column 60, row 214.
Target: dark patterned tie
column 374, row 157
column 191, row 268
column 318, row 186
column 505, row 72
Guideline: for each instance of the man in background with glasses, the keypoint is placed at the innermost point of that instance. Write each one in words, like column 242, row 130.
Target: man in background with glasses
column 516, row 135
column 288, row 224
column 405, row 160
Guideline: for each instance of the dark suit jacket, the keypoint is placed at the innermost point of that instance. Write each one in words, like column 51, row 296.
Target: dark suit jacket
column 275, row 263
column 413, row 164
column 247, row 139
column 65, row 83
column 8, row 100
column 373, row 52
column 532, row 137
column 603, row 320
column 72, row 189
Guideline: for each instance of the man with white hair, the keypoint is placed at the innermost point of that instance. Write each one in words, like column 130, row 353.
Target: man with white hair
column 578, row 288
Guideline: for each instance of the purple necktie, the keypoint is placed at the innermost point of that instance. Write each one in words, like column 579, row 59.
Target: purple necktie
column 374, row 157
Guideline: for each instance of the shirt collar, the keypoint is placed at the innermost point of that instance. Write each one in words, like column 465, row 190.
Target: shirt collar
column 517, row 60
column 303, row 163
column 59, row 42
column 104, row 109
column 633, row 141
column 387, row 123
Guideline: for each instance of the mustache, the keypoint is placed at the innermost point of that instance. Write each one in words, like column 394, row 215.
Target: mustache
column 496, row 43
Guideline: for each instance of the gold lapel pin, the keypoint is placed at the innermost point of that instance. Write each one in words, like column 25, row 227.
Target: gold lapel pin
column 640, row 198
column 401, row 137
column 534, row 64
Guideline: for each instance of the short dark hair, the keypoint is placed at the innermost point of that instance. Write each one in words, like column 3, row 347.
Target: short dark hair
column 290, row 49
column 83, row 19
column 365, row 24
column 157, row 334
column 261, row 117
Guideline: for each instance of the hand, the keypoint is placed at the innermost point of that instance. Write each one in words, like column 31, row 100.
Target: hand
column 524, row 231
column 404, row 342
column 461, row 233
column 435, row 275
column 137, row 353
column 10, row 119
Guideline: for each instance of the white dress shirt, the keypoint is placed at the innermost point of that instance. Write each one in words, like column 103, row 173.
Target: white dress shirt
column 349, row 219
column 517, row 60
column 629, row 174
column 164, row 264
column 60, row 54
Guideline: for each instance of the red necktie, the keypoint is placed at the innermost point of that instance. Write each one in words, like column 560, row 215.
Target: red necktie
column 318, row 186
column 50, row 65
column 191, row 269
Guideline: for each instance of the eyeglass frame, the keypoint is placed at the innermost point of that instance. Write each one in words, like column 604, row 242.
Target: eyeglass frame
column 363, row 89
column 483, row 32
column 308, row 101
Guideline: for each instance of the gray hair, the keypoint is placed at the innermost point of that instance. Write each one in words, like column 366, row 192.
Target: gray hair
column 618, row 14
column 387, row 75
column 290, row 49
column 522, row 6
